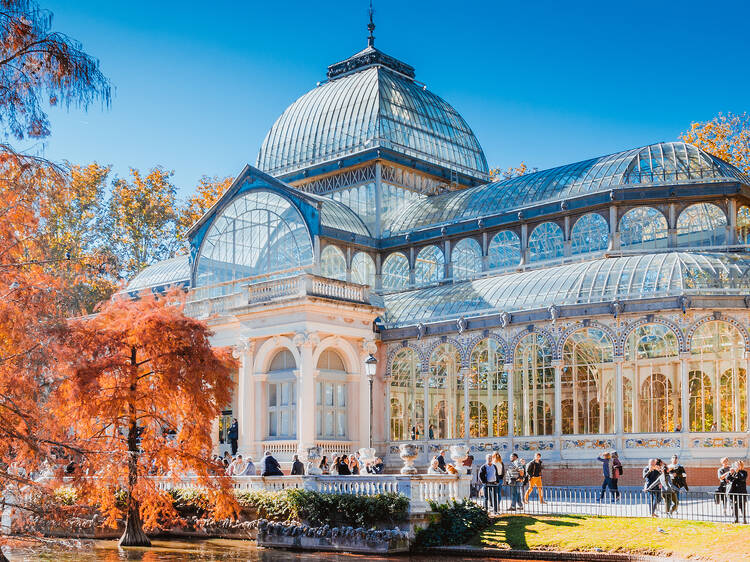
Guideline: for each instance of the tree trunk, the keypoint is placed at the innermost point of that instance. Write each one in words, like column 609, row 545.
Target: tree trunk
column 2, row 556
column 133, row 535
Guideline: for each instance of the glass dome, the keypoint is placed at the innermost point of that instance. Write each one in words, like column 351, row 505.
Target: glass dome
column 371, row 101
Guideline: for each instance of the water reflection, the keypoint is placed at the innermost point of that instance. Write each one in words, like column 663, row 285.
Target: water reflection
column 175, row 550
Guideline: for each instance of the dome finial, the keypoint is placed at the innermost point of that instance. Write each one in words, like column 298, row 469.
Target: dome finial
column 371, row 28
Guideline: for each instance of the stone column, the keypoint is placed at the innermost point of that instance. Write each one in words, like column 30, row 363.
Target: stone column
column 511, row 406
column 558, row 365
column 261, row 409
column 245, row 398
column 306, row 431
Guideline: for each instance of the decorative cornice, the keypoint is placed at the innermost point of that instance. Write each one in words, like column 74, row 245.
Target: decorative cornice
column 369, row 57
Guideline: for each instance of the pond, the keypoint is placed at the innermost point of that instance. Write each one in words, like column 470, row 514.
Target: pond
column 219, row 550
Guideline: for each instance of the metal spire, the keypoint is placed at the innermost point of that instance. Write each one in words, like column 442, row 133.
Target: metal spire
column 371, row 28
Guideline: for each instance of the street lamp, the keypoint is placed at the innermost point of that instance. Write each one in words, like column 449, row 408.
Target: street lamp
column 371, row 365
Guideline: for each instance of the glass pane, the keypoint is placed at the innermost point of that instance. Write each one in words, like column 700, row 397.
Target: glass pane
column 272, row 395
column 341, row 424
column 272, row 429
column 341, row 389
column 329, row 394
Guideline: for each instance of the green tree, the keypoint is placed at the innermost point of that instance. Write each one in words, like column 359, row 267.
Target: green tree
column 143, row 218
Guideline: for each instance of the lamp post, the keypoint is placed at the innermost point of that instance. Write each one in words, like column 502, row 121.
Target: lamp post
column 371, row 365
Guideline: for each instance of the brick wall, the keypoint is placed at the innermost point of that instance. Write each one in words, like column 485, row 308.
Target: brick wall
column 570, row 475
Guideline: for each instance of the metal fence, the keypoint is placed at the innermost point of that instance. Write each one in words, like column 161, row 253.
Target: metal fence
column 693, row 505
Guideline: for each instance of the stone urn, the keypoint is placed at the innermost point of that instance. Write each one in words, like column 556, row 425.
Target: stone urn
column 459, row 453
column 314, row 454
column 408, row 453
column 366, row 455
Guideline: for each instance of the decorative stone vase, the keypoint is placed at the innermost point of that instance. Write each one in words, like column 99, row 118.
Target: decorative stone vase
column 314, row 454
column 366, row 454
column 459, row 453
column 408, row 454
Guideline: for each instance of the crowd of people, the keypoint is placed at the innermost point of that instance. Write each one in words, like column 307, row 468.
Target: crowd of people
column 732, row 490
column 342, row 465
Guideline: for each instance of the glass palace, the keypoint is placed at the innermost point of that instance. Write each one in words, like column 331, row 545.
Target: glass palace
column 598, row 305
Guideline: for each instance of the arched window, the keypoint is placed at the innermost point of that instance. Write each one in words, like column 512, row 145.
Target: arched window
column 330, row 360
column 444, row 392
column 534, row 391
column 333, row 263
column 257, row 233
column 504, row 250
column 466, row 259
column 488, row 385
column 643, row 228
column 590, row 233
column 546, row 242
column 331, row 396
column 282, row 396
column 587, row 373
column 654, row 379
column 363, row 269
column 430, row 266
column 282, row 361
column 702, row 224
column 717, row 349
column 395, row 272
column 743, row 225
column 701, row 407
column 407, row 387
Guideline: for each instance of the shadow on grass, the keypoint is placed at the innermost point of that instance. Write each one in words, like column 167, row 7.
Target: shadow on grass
column 511, row 531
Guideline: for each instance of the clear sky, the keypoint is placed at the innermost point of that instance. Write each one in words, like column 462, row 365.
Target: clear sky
column 546, row 82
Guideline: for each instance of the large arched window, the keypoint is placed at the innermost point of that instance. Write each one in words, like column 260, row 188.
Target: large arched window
column 444, row 391
column 488, row 386
column 590, row 233
column 743, row 225
column 282, row 396
column 363, row 269
column 702, row 224
column 652, row 371
column 504, row 250
column 333, row 263
column 534, row 392
column 331, row 396
column 717, row 351
column 430, row 266
column 257, row 233
column 395, row 272
column 587, row 377
column 407, row 391
column 466, row 259
column 643, row 228
column 546, row 242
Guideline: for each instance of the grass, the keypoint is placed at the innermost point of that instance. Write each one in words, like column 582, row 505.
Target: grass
column 661, row 537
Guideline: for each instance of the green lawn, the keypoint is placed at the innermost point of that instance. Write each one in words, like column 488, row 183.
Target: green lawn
column 685, row 539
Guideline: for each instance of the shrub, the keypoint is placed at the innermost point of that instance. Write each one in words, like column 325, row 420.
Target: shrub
column 65, row 495
column 275, row 506
column 455, row 523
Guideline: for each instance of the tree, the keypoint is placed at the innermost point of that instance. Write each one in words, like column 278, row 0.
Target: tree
column 143, row 219
column 726, row 136
column 207, row 193
column 37, row 62
column 143, row 387
column 498, row 174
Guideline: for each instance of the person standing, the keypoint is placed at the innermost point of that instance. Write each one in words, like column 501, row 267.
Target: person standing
column 432, row 432
column 616, row 473
column 668, row 490
column 323, row 466
column 534, row 471
column 298, row 469
column 514, row 478
column 606, row 460
column 441, row 460
column 233, row 434
column 500, row 467
column 488, row 478
column 343, row 466
column 651, row 484
column 678, row 474
column 737, row 490
column 269, row 466
column 721, row 491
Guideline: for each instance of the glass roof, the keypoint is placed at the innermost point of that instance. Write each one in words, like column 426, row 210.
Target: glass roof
column 334, row 214
column 174, row 271
column 658, row 164
column 369, row 107
column 596, row 281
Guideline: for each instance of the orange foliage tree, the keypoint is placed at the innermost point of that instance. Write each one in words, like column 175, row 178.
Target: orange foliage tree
column 142, row 389
column 207, row 193
column 726, row 136
column 498, row 174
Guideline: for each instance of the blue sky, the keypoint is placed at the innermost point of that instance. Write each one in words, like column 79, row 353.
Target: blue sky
column 199, row 84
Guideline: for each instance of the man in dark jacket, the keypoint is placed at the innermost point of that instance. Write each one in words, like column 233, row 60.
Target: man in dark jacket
column 233, row 434
column 607, row 466
column 489, row 478
column 534, row 471
column 441, row 460
column 678, row 474
column 269, row 466
column 298, row 469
